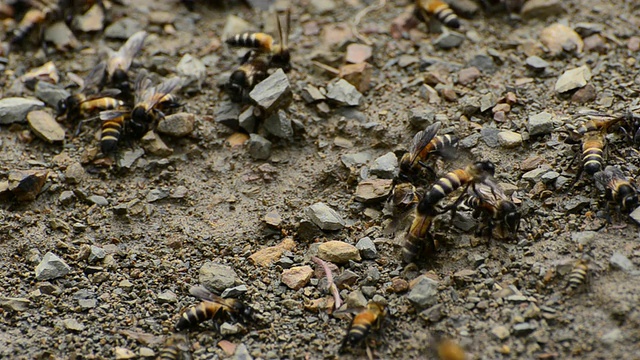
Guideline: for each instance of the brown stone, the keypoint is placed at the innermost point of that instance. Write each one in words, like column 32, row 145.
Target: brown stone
column 267, row 256
column 297, row 277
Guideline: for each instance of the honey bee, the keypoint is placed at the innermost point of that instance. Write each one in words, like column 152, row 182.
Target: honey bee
column 617, row 188
column 491, row 205
column 448, row 349
column 438, row 9
column 578, row 274
column 279, row 55
column 88, row 100
column 592, row 134
column 245, row 78
column 366, row 320
column 213, row 308
column 176, row 347
column 418, row 240
column 112, row 127
column 120, row 61
column 472, row 174
column 424, row 144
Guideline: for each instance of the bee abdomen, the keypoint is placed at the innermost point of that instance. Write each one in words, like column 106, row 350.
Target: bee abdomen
column 416, row 238
column 169, row 353
column 252, row 40
column 105, row 103
column 111, row 131
column 447, row 184
column 443, row 12
column 592, row 160
column 577, row 276
column 197, row 314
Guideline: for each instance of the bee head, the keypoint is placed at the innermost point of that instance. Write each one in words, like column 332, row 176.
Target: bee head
column 281, row 59
column 120, row 79
column 139, row 115
column 511, row 216
column 629, row 197
column 592, row 167
column 238, row 308
column 62, row 107
column 486, row 168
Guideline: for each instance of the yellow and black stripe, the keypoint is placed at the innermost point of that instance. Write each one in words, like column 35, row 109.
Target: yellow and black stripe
column 245, row 78
column 363, row 323
column 441, row 11
column 257, row 41
column 578, row 274
column 417, row 240
column 111, row 132
column 475, row 172
column 99, row 104
column 624, row 194
column 30, row 19
column 592, row 150
column 204, row 311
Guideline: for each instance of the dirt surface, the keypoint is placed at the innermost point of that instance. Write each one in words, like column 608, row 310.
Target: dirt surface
column 218, row 197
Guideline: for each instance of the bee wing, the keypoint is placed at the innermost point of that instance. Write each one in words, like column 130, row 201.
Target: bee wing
column 94, row 78
column 605, row 177
column 107, row 115
column 356, row 310
column 422, row 139
column 102, row 94
column 153, row 95
column 204, row 294
column 124, row 56
column 488, row 192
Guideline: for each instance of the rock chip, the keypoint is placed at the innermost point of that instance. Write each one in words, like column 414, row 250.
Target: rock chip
column 227, row 329
column 541, row 9
column 424, row 293
column 468, row 75
column 25, row 185
column 241, row 353
column 279, row 125
column 124, row 353
column 558, row 38
column 272, row 93
column 323, row 6
column 61, row 36
column 178, row 125
column 358, row 75
column 367, row 248
column 573, row 79
column 75, row 173
column 192, row 71
column 501, row 332
column 129, row 157
column 154, row 145
column 227, row 114
column 357, row 159
column 217, row 277
column 584, row 95
column 14, row 304
column 620, row 262
column 248, row 120
column 311, row 94
column 96, row 254
column 358, row 53
column 509, row 139
column 72, row 324
column 422, row 117
column 536, row 63
column 92, row 20
column 448, row 40
column 15, row 109
column 373, row 190
column 51, row 267
column 540, row 124
column 50, row 94
column 167, row 296
column 259, row 148
column 265, row 257
column 355, row 300
column 338, row 252
column 345, row 94
column 297, row 277
column 324, row 217
column 385, row 166
column 45, row 126
column 125, row 27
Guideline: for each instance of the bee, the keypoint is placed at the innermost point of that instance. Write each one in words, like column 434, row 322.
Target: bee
column 424, row 144
column 120, row 61
column 176, row 347
column 243, row 79
column 88, row 100
column 472, row 174
column 213, row 308
column 617, row 188
column 279, row 55
column 113, row 124
column 366, row 320
column 40, row 11
column 593, row 134
column 491, row 204
column 438, row 9
column 418, row 240
column 579, row 274
column 448, row 349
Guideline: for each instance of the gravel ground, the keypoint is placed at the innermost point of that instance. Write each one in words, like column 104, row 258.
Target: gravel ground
column 136, row 238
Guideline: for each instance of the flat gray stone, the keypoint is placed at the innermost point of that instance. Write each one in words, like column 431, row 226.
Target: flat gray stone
column 272, row 93
column 345, row 94
column 15, row 109
column 234, row 292
column 620, row 262
column 279, row 125
column 217, row 277
column 424, row 293
column 367, row 248
column 96, row 254
column 324, row 217
column 178, row 125
column 540, row 124
column 259, row 148
column 45, row 126
column 573, row 79
column 50, row 94
column 123, row 29
column 192, row 71
column 51, row 267
column 448, row 40
column 422, row 117
column 357, row 159
column 385, row 167
column 536, row 63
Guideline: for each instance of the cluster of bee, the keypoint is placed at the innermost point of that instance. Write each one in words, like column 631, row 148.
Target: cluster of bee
column 610, row 180
column 212, row 307
column 123, row 110
column 264, row 55
column 34, row 14
column 497, row 213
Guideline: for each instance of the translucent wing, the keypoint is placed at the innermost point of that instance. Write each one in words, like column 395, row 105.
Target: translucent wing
column 422, row 139
column 488, row 192
column 124, row 56
column 94, row 78
column 153, row 95
column 202, row 293
column 107, row 115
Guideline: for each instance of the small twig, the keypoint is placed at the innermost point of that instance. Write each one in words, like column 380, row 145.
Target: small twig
column 332, row 286
column 360, row 15
column 326, row 67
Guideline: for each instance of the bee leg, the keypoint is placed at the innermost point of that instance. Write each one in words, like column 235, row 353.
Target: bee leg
column 246, row 57
column 575, row 179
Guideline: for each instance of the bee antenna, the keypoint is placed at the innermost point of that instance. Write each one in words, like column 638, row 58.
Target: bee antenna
column 282, row 44
column 288, row 27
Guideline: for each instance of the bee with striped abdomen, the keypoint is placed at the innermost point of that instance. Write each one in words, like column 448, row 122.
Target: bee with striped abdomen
column 113, row 124
column 579, row 274
column 245, row 78
column 424, row 144
column 418, row 240
column 366, row 321
column 279, row 55
column 214, row 308
column 176, row 347
column 495, row 210
column 120, row 61
column 438, row 9
column 37, row 14
column 617, row 188
column 88, row 99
